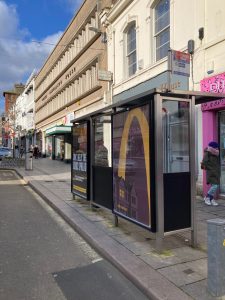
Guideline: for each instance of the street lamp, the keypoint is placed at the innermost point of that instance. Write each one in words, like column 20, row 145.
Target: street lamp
column 97, row 30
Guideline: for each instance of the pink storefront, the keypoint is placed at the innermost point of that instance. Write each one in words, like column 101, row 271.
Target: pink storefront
column 213, row 121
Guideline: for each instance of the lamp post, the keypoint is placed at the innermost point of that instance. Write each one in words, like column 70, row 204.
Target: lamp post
column 103, row 34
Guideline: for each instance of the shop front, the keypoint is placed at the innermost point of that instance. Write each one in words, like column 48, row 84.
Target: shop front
column 213, row 123
column 58, row 143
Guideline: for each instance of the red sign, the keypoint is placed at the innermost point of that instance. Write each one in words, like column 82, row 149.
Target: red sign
column 180, row 63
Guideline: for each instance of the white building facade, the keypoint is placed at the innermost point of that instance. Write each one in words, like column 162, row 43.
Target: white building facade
column 140, row 32
column 24, row 114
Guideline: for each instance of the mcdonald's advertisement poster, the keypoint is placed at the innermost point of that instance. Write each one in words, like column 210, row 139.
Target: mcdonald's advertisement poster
column 131, row 165
column 80, row 160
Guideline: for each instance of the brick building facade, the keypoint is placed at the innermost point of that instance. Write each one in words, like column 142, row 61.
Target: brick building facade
column 68, row 85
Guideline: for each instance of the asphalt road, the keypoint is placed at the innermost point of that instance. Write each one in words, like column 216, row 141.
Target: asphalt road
column 41, row 257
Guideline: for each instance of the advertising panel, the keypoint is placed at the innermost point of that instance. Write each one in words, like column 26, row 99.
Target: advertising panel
column 131, row 165
column 80, row 172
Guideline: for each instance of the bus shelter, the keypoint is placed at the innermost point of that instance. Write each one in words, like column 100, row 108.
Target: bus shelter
column 137, row 158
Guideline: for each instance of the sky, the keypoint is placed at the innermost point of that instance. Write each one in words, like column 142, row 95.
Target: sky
column 27, row 27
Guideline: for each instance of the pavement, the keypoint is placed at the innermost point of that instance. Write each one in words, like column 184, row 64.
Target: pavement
column 177, row 272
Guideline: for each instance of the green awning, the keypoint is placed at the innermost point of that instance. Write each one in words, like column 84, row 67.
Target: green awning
column 58, row 130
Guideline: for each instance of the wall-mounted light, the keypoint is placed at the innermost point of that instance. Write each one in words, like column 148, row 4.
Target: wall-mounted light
column 201, row 33
column 191, row 47
column 210, row 67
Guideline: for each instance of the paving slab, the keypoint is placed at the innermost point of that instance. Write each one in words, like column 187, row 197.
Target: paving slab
column 174, row 273
column 186, row 273
column 129, row 238
column 205, row 215
column 198, row 290
column 172, row 257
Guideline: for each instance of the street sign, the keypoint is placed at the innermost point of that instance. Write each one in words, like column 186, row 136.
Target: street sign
column 180, row 63
column 104, row 75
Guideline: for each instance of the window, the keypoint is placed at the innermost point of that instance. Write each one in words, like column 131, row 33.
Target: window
column 131, row 50
column 162, row 28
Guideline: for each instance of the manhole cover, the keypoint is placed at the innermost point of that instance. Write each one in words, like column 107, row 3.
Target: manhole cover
column 103, row 281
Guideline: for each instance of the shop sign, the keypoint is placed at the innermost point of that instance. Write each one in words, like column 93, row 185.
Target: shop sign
column 172, row 86
column 104, row 75
column 67, row 119
column 217, row 104
column 215, row 84
column 57, row 129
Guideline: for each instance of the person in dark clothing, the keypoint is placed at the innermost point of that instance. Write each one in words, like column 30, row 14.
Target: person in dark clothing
column 16, row 151
column 211, row 163
column 101, row 155
column 36, row 152
column 21, row 151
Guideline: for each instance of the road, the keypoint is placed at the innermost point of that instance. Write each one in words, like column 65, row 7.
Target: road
column 41, row 257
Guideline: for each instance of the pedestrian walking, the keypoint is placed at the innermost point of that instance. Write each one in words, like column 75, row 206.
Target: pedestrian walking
column 211, row 164
column 36, row 152
column 16, row 151
column 21, row 151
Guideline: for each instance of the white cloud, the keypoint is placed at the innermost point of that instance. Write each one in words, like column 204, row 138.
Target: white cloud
column 8, row 20
column 18, row 58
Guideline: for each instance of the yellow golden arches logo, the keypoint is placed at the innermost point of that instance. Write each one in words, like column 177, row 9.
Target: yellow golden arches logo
column 143, row 123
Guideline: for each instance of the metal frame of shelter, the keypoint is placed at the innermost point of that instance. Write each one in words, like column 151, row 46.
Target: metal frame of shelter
column 157, row 97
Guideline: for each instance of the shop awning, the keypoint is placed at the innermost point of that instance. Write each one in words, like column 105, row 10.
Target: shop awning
column 58, row 130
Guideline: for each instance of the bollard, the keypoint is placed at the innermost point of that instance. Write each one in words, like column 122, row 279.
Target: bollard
column 29, row 161
column 216, row 257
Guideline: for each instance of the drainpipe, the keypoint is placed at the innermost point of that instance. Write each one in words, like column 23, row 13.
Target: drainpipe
column 112, row 84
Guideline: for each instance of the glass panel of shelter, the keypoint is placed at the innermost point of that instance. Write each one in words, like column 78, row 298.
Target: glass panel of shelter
column 102, row 141
column 175, row 123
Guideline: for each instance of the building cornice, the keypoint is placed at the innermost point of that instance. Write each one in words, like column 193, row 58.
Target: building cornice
column 117, row 9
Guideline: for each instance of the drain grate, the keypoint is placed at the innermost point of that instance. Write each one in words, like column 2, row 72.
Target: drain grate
column 48, row 181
